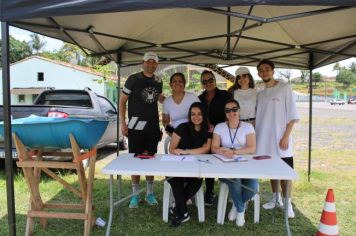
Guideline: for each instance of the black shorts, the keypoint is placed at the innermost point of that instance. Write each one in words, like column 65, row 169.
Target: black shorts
column 143, row 140
column 289, row 161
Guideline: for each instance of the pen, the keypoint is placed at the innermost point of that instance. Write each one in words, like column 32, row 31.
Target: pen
column 183, row 158
column 206, row 161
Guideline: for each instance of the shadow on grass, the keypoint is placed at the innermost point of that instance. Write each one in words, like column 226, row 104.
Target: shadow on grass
column 148, row 220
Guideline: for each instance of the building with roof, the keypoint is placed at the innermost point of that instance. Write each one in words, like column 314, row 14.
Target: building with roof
column 32, row 75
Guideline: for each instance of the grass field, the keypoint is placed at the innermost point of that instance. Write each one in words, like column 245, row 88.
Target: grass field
column 334, row 166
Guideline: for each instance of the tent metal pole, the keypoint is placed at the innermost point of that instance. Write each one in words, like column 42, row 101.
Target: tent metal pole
column 118, row 74
column 7, row 129
column 311, row 62
column 243, row 29
column 58, row 26
column 345, row 47
column 118, row 177
column 228, row 36
column 330, row 40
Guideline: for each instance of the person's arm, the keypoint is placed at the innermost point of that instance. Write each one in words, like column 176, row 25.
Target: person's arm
column 165, row 119
column 284, row 142
column 161, row 98
column 173, row 146
column 201, row 150
column 122, row 112
column 250, row 146
column 215, row 147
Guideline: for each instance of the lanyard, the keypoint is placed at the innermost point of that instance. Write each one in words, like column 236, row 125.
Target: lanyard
column 232, row 138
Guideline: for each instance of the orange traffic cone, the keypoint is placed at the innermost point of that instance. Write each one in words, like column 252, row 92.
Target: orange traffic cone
column 328, row 223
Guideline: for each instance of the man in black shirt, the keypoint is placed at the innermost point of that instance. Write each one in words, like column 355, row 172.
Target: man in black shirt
column 142, row 91
column 213, row 100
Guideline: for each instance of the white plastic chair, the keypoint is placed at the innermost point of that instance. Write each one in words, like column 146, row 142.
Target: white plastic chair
column 168, row 198
column 223, row 195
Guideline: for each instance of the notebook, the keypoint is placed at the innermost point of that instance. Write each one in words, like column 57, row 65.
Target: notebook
column 234, row 159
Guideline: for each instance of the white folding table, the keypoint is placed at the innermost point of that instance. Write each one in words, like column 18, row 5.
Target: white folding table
column 203, row 166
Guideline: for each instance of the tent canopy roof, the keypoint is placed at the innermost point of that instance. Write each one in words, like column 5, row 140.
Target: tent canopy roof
column 197, row 32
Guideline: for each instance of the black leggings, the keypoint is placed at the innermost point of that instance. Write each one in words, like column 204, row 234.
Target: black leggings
column 183, row 189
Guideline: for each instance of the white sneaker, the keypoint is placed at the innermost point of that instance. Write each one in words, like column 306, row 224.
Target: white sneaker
column 269, row 205
column 233, row 213
column 290, row 209
column 240, row 219
column 272, row 203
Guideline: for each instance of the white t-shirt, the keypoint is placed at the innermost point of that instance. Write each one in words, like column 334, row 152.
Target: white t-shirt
column 222, row 129
column 276, row 107
column 247, row 100
column 178, row 113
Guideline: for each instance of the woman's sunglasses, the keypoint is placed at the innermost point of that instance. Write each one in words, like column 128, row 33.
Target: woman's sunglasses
column 228, row 110
column 207, row 81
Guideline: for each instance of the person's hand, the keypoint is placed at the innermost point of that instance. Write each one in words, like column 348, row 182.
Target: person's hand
column 179, row 151
column 124, row 129
column 283, row 143
column 227, row 152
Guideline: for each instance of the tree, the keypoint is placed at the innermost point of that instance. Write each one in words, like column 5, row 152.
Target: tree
column 316, row 77
column 353, row 67
column 346, row 77
column 284, row 74
column 337, row 67
column 37, row 43
column 304, row 75
column 18, row 50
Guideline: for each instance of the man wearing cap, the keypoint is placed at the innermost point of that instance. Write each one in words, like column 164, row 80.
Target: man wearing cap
column 142, row 91
column 245, row 93
column 275, row 117
column 213, row 100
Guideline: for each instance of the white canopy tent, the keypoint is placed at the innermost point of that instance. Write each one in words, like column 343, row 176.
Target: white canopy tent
column 303, row 35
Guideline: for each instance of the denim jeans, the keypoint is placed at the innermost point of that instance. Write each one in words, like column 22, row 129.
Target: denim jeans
column 239, row 194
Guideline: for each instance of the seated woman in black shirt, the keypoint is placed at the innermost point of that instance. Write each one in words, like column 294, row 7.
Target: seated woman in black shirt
column 188, row 138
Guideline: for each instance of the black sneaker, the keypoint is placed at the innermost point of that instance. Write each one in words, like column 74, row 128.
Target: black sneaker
column 177, row 221
column 173, row 212
column 209, row 199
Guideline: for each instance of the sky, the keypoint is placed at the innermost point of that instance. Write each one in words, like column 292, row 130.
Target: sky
column 54, row 44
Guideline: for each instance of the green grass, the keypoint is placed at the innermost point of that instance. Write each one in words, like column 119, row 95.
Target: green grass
column 333, row 166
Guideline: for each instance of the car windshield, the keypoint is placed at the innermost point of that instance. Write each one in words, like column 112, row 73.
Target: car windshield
column 65, row 98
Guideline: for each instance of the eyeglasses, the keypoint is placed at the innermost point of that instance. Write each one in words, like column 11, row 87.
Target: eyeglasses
column 228, row 110
column 208, row 81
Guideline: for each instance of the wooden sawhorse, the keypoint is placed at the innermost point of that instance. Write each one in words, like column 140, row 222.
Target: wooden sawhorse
column 32, row 165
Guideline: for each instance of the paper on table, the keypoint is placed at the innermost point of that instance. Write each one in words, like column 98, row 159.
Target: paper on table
column 235, row 159
column 177, row 158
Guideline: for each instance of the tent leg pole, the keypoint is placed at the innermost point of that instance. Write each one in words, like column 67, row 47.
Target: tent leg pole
column 7, row 129
column 311, row 59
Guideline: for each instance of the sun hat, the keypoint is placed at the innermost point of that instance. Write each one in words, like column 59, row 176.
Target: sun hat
column 149, row 56
column 242, row 71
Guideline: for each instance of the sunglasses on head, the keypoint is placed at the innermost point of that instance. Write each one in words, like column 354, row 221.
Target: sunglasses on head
column 207, row 81
column 228, row 110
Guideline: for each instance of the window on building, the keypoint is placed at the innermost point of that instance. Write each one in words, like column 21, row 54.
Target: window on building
column 34, row 96
column 21, row 98
column 40, row 76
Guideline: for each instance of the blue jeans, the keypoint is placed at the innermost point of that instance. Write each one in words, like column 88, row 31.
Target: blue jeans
column 239, row 194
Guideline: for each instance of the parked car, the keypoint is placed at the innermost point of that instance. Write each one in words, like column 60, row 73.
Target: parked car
column 74, row 104
column 337, row 102
column 352, row 100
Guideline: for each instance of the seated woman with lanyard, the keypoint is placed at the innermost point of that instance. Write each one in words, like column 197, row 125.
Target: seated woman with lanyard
column 231, row 138
column 188, row 138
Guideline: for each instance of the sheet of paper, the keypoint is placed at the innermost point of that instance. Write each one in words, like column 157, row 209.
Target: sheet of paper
column 235, row 159
column 177, row 158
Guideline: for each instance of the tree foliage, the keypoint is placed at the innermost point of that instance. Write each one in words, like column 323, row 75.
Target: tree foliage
column 347, row 76
column 18, row 50
column 304, row 76
column 316, row 77
column 36, row 43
